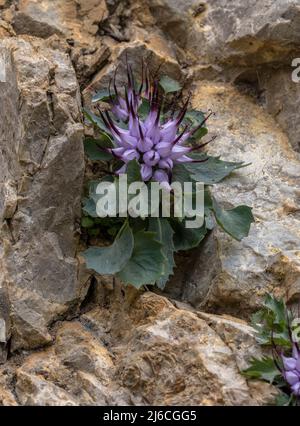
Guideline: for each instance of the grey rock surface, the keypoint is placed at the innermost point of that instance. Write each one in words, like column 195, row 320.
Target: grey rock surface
column 241, row 33
column 235, row 276
column 282, row 100
column 41, row 178
column 155, row 353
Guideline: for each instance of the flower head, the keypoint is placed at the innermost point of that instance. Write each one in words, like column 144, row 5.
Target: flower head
column 291, row 370
column 156, row 142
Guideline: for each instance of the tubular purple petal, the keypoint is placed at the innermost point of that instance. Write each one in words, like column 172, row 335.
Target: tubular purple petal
column 178, row 151
column 166, row 164
column 296, row 389
column 151, row 158
column 164, row 149
column 118, row 152
column 161, row 176
column 291, row 377
column 289, row 363
column 157, row 144
column 146, row 172
column 144, row 145
column 130, row 154
column 183, row 159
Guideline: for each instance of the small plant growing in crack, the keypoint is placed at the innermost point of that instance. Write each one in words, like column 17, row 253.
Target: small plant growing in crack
column 144, row 135
column 278, row 330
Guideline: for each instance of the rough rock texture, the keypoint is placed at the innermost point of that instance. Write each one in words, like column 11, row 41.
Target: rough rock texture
column 41, row 173
column 243, row 33
column 156, row 52
column 227, row 40
column 282, row 100
column 233, row 276
column 151, row 353
column 92, row 346
column 75, row 22
column 77, row 19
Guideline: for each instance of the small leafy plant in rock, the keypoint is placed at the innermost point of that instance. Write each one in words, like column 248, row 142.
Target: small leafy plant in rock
column 278, row 331
column 143, row 133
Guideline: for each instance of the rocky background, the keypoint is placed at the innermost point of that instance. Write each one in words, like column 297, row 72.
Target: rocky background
column 67, row 338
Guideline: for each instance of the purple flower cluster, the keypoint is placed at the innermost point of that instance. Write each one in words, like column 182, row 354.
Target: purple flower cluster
column 156, row 143
column 291, row 370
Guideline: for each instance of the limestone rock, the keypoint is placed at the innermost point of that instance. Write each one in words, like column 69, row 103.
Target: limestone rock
column 76, row 19
column 243, row 33
column 36, row 391
column 233, row 276
column 41, row 163
column 282, row 100
column 89, row 60
column 237, row 334
column 7, row 394
column 152, row 48
column 6, row 29
column 7, row 399
column 175, row 358
column 162, row 354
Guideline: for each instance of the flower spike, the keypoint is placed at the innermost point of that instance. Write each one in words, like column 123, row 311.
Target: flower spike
column 158, row 145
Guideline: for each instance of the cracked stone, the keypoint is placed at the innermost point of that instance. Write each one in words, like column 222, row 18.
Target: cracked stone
column 233, row 277
column 44, row 162
column 162, row 354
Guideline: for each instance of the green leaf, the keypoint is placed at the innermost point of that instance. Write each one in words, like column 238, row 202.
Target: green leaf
column 89, row 203
column 180, row 174
column 93, row 184
column 144, row 109
column 284, row 400
column 208, row 202
column 264, row 369
column 94, row 119
column 102, row 95
column 111, row 259
column 95, row 149
column 272, row 323
column 89, row 207
column 200, row 133
column 185, row 238
column 169, row 85
column 278, row 309
column 146, row 264
column 236, row 222
column 133, row 172
column 195, row 117
column 164, row 234
column 211, row 171
column 87, row 222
